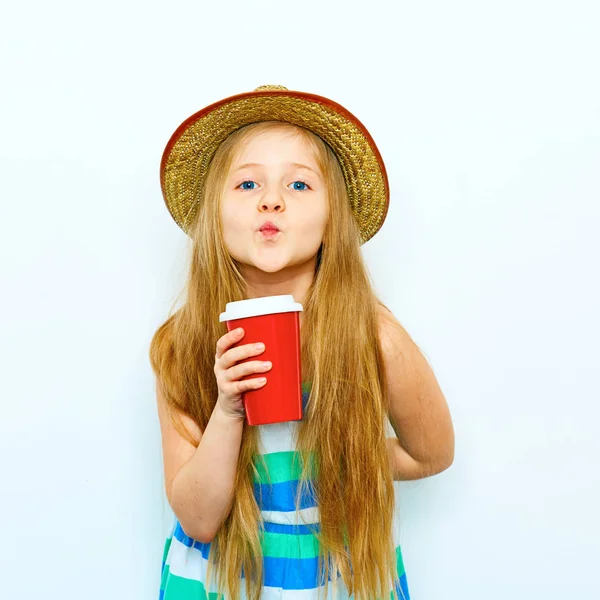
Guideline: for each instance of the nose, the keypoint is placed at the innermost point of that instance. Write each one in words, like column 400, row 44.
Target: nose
column 271, row 203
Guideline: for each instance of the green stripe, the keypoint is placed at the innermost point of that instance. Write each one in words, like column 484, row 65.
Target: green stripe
column 165, row 572
column 282, row 545
column 180, row 588
column 399, row 561
column 280, row 466
column 166, row 547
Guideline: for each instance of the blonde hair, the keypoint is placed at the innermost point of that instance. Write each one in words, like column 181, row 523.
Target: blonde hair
column 344, row 423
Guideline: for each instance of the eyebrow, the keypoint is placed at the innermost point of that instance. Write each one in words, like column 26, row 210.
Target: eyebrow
column 291, row 164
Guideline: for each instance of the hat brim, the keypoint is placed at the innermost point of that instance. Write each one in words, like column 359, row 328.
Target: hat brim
column 190, row 149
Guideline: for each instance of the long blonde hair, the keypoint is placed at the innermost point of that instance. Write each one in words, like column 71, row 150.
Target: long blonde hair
column 344, row 423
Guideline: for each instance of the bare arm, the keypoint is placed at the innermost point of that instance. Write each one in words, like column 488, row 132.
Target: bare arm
column 405, row 467
column 418, row 410
column 199, row 482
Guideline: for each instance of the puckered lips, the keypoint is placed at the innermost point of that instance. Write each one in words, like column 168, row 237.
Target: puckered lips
column 269, row 230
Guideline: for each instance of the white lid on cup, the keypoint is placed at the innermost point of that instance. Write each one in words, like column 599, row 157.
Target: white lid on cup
column 255, row 307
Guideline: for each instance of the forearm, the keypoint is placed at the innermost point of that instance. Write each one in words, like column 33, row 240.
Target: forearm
column 203, row 490
column 405, row 467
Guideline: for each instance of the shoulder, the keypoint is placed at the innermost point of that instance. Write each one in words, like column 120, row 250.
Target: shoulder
column 406, row 367
column 393, row 337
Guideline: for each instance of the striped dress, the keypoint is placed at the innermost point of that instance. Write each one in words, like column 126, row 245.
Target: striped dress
column 290, row 548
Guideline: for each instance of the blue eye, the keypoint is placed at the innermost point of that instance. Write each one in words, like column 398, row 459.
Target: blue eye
column 302, row 182
column 243, row 185
column 245, row 188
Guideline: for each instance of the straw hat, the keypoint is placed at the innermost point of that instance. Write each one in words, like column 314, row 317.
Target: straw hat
column 190, row 149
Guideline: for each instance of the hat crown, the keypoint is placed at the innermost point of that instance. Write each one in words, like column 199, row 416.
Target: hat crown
column 263, row 88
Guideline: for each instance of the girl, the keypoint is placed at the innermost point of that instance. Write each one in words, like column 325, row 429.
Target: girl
column 277, row 190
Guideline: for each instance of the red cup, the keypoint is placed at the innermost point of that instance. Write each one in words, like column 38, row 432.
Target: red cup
column 275, row 321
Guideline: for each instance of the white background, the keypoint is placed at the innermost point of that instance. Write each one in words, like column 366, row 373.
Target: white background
column 488, row 117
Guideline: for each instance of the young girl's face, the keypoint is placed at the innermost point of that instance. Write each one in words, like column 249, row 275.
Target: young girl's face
column 275, row 179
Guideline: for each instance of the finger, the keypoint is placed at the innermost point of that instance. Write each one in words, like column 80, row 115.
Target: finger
column 234, row 355
column 236, row 372
column 228, row 340
column 249, row 384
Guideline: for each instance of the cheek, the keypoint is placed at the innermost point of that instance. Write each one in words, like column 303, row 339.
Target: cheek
column 231, row 221
column 311, row 233
column 315, row 218
column 320, row 224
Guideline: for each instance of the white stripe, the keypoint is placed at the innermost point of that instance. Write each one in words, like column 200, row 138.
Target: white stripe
column 304, row 516
column 277, row 593
column 186, row 562
column 278, row 437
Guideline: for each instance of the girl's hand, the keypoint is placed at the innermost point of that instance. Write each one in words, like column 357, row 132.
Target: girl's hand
column 229, row 373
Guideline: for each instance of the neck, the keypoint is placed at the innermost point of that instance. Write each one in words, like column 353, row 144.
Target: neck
column 294, row 280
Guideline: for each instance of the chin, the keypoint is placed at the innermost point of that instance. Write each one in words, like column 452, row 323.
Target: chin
column 271, row 268
column 274, row 263
column 271, row 262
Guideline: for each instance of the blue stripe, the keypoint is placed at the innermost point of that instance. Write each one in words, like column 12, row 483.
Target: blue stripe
column 301, row 574
column 305, row 397
column 180, row 535
column 291, row 573
column 282, row 496
column 402, row 588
